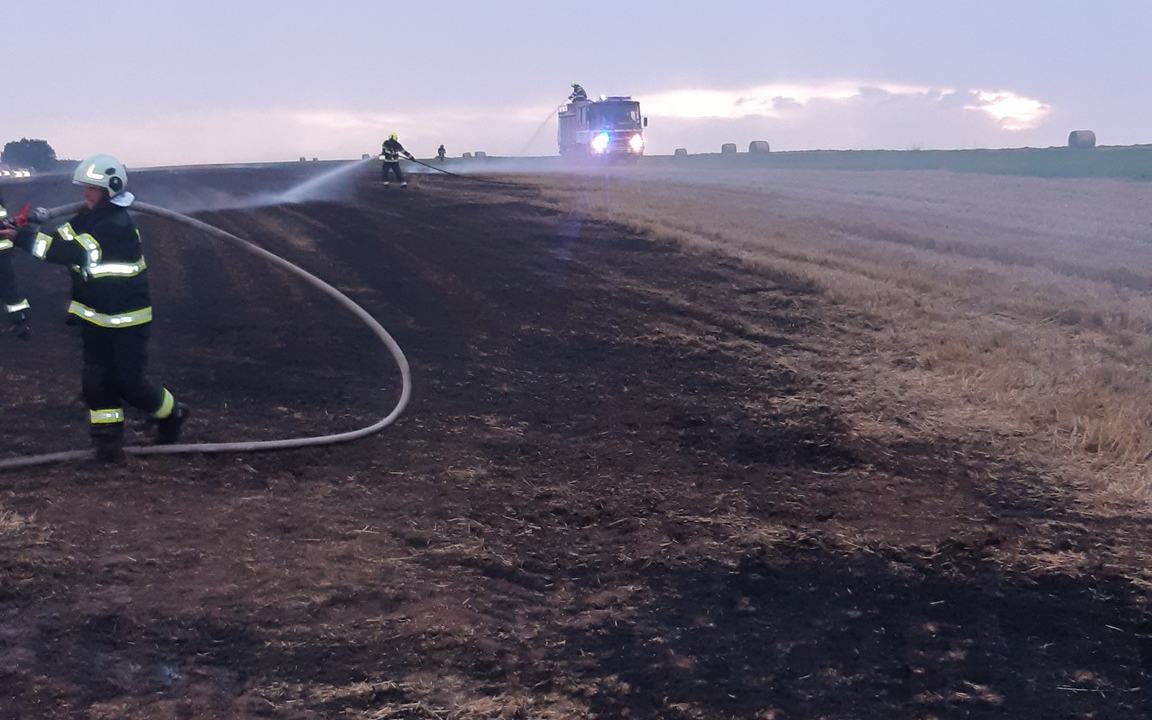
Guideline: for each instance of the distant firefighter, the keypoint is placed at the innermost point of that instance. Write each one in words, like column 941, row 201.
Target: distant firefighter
column 578, row 93
column 391, row 152
column 441, row 153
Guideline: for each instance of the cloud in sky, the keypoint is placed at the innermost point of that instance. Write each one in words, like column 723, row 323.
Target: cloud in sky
column 762, row 100
column 1012, row 111
column 793, row 116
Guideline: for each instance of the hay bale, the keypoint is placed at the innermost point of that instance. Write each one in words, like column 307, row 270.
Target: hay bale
column 315, row 159
column 1082, row 139
column 365, row 156
column 758, row 147
column 728, row 149
column 467, row 156
column 303, row 159
column 681, row 152
column 481, row 155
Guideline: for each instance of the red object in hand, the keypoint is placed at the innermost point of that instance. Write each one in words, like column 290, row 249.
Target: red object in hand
column 21, row 218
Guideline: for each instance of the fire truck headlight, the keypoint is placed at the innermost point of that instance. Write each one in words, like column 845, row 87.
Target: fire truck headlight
column 600, row 142
column 636, row 143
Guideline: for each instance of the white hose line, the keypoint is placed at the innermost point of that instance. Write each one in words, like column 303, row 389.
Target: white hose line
column 259, row 445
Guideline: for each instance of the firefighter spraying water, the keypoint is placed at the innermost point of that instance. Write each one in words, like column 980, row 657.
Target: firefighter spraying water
column 391, row 153
column 611, row 127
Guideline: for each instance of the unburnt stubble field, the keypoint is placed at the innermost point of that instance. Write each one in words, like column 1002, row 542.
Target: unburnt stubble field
column 1007, row 304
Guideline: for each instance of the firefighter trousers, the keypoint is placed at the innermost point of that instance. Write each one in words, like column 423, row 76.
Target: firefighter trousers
column 10, row 297
column 115, row 367
column 392, row 167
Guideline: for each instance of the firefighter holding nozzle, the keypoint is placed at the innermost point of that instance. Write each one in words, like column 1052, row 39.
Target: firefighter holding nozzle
column 112, row 303
column 391, row 152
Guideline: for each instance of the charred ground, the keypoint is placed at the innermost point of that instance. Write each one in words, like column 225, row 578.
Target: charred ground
column 623, row 489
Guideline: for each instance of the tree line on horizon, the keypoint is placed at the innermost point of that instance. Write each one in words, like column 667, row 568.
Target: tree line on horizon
column 32, row 154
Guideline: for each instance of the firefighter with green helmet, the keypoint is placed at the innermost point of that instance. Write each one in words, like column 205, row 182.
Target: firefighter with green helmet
column 112, row 303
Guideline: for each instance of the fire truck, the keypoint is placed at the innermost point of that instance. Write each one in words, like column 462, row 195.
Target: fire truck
column 611, row 127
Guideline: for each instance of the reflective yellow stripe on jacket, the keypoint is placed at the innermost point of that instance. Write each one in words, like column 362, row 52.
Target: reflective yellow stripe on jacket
column 123, row 320
column 5, row 244
column 86, row 241
column 22, row 305
column 40, row 247
column 123, row 270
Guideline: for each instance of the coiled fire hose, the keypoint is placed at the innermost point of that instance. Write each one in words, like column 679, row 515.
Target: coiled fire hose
column 258, row 445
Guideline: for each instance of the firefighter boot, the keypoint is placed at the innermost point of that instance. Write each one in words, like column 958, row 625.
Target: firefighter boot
column 109, row 446
column 22, row 324
column 168, row 429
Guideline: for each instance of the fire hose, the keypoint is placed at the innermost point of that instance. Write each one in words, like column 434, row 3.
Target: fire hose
column 258, row 445
column 473, row 178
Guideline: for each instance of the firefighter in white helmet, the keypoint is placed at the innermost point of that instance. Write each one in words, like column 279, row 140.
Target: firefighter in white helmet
column 112, row 303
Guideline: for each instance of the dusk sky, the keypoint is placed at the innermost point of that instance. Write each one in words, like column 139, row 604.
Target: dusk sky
column 212, row 81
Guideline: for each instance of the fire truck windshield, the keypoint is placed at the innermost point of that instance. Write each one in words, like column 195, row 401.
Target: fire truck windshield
column 615, row 114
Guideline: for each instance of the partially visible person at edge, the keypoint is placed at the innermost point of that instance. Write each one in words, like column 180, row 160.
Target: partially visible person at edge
column 16, row 307
column 112, row 303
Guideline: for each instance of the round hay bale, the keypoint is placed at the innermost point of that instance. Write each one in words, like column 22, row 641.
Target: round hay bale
column 759, row 147
column 481, row 155
column 467, row 156
column 315, row 159
column 728, row 149
column 365, row 156
column 303, row 159
column 1082, row 139
column 681, row 152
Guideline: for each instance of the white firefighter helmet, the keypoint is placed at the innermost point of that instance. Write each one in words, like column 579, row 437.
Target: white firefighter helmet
column 105, row 171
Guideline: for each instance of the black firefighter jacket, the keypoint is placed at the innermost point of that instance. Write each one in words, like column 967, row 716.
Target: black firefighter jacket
column 104, row 245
